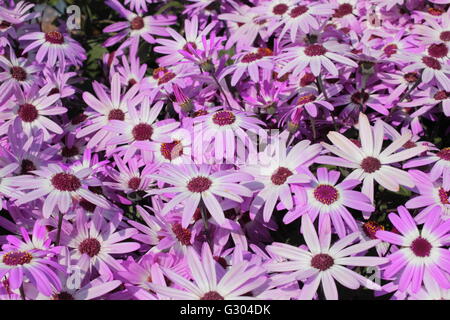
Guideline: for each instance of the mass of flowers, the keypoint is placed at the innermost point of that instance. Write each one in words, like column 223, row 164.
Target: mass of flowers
column 213, row 150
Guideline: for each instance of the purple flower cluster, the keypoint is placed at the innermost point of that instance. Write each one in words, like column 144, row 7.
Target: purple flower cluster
column 257, row 149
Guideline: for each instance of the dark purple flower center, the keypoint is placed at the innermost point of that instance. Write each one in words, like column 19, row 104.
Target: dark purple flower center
column 409, row 144
column 137, row 23
column 63, row 295
column 435, row 11
column 166, row 77
column 298, row 11
column 27, row 112
column 65, row 182
column 306, row 99
column 280, row 9
column 212, row 295
column 224, row 118
column 90, row 246
column 390, row 49
column 171, row 150
column 411, row 77
column 54, row 37
column 250, row 57
column 370, row 228
column 421, row 247
column 322, row 261
column 18, row 73
column 5, row 25
column 182, row 234
column 315, row 50
column 359, row 97
column 307, row 79
column 79, row 118
column 343, row 10
column 441, row 95
column 15, row 258
column 116, row 114
column 86, row 205
column 67, row 152
column 134, row 183
column 142, row 131
column 370, row 164
column 431, row 63
column 438, row 50
column 444, row 195
column 444, row 154
column 280, row 176
column 199, row 184
column 187, row 47
column 26, row 166
column 445, row 36
column 326, row 194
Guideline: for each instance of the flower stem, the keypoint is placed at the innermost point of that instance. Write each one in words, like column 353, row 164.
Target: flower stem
column 58, row 235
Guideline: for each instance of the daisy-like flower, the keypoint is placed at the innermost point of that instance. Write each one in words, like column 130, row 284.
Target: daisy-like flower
column 136, row 26
column 211, row 281
column 433, row 31
column 59, row 186
column 279, row 174
column 309, row 99
column 129, row 177
column 29, row 152
column 140, row 131
column 441, row 166
column 432, row 195
column 358, row 100
column 6, row 184
column 322, row 263
column 54, row 46
column 303, row 17
column 95, row 242
column 369, row 162
column 17, row 72
column 171, row 48
column 245, row 24
column 93, row 289
column 227, row 130
column 249, row 61
column 192, row 184
column 325, row 198
column 177, row 151
column 34, row 265
column 105, row 108
column 432, row 68
column 33, row 108
column 131, row 71
column 420, row 250
column 316, row 56
column 432, row 96
column 430, row 290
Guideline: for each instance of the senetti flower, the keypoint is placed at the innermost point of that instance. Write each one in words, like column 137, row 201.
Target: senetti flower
column 193, row 184
column 210, row 284
column 432, row 195
column 325, row 198
column 192, row 149
column 105, row 108
column 277, row 176
column 318, row 56
column 420, row 250
column 54, row 46
column 324, row 264
column 136, row 27
column 59, row 186
column 33, row 108
column 370, row 163
column 95, row 241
